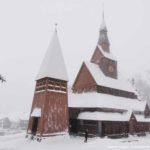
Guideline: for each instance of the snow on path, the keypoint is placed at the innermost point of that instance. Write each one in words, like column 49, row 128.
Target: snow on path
column 11, row 137
column 18, row 142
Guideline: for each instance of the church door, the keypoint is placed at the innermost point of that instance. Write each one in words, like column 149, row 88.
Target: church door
column 73, row 125
column 34, row 125
column 100, row 129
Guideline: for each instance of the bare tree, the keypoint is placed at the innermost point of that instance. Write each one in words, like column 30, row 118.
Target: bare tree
column 2, row 79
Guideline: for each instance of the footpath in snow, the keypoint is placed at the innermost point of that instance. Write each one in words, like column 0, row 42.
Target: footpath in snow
column 19, row 142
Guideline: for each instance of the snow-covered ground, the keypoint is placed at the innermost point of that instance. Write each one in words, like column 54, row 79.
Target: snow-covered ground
column 19, row 142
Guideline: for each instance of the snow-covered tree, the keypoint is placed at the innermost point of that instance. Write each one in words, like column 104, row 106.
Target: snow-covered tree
column 141, row 83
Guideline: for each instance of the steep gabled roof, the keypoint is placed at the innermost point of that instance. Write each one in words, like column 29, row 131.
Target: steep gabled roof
column 106, row 54
column 141, row 118
column 53, row 64
column 120, row 83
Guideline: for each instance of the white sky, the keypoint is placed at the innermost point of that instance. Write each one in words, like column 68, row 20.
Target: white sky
column 26, row 27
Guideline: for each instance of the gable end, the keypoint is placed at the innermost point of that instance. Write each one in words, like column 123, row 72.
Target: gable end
column 97, row 56
column 84, row 81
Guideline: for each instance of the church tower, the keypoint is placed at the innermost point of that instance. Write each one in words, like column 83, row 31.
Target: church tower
column 103, row 40
column 49, row 112
column 101, row 73
column 102, row 55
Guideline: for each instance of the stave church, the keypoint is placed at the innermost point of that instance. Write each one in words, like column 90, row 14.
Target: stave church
column 101, row 100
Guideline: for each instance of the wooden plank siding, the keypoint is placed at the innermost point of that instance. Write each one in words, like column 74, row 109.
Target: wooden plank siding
column 84, row 81
column 107, row 127
column 115, row 92
column 53, row 102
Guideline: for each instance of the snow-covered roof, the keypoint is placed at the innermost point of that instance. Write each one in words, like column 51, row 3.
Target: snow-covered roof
column 141, row 118
column 120, row 83
column 105, row 116
column 99, row 100
column 53, row 64
column 106, row 54
column 36, row 112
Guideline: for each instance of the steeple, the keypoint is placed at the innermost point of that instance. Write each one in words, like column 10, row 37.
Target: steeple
column 49, row 112
column 103, row 40
column 53, row 65
column 103, row 24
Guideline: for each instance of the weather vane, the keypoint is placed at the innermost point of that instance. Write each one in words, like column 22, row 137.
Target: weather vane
column 103, row 9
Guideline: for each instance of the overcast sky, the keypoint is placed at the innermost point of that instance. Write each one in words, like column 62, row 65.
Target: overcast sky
column 26, row 27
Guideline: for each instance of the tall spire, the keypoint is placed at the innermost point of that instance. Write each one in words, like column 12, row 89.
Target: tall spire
column 53, row 64
column 103, row 38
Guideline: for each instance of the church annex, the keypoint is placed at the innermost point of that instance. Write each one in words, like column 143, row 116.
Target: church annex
column 101, row 100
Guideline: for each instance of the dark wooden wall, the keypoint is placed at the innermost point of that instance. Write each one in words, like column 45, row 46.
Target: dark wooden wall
column 92, row 127
column 108, row 127
column 73, row 112
column 97, row 56
column 38, row 101
column 84, row 81
column 112, row 127
column 105, row 64
column 51, row 96
column 115, row 92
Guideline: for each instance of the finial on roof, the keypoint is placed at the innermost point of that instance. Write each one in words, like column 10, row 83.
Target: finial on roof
column 103, row 38
column 103, row 10
column 103, row 25
column 56, row 27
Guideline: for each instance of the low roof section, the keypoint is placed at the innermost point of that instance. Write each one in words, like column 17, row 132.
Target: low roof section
column 100, row 100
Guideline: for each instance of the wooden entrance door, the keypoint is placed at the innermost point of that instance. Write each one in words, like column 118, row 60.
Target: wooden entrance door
column 73, row 125
column 100, row 128
column 35, row 125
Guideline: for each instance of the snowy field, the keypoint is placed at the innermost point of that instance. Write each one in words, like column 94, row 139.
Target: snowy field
column 19, row 142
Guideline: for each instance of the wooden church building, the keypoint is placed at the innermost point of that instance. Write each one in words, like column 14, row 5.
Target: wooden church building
column 101, row 100
column 49, row 112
